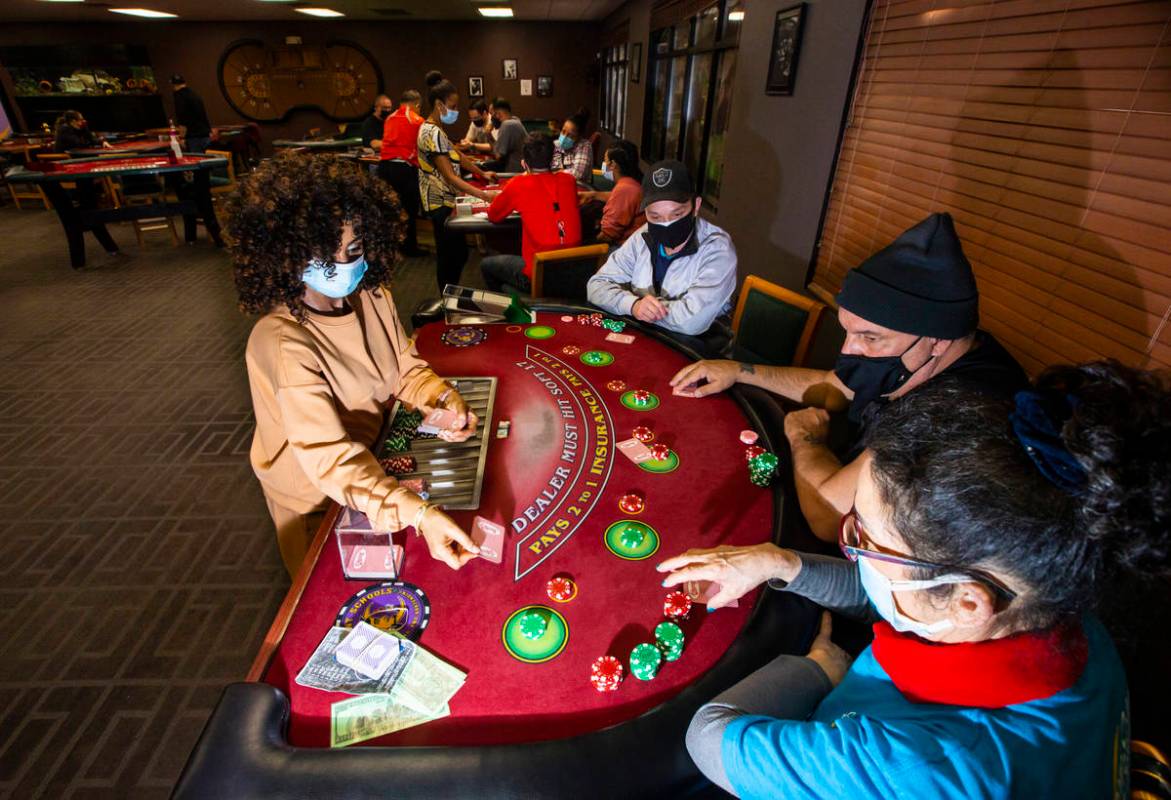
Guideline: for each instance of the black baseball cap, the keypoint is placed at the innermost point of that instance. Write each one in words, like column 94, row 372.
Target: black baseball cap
column 177, row 78
column 667, row 180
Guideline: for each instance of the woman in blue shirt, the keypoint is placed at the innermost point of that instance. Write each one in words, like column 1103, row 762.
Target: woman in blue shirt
column 981, row 536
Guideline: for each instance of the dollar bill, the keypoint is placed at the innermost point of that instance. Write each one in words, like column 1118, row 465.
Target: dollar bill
column 323, row 671
column 427, row 683
column 369, row 716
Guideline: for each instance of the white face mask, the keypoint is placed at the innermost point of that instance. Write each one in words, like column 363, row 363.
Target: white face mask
column 881, row 591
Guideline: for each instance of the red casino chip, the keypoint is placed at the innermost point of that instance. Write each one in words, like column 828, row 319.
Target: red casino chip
column 399, row 465
column 606, row 674
column 660, row 452
column 753, row 452
column 631, row 503
column 643, row 434
column 616, row 386
column 571, row 350
column 561, row 590
column 676, row 605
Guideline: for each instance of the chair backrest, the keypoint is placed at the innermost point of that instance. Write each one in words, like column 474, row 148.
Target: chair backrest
column 565, row 273
column 596, row 147
column 52, row 156
column 229, row 171
column 773, row 325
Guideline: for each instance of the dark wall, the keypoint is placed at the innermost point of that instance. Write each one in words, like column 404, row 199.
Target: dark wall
column 780, row 150
column 404, row 52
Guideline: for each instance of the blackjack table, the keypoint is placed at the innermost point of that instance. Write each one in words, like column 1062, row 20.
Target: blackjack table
column 78, row 210
column 528, row 721
column 123, row 147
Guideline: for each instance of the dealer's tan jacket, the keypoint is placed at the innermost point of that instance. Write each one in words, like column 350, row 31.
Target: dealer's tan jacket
column 319, row 390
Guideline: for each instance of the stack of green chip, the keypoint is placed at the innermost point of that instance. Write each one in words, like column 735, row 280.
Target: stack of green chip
column 631, row 536
column 762, row 469
column 533, row 625
column 669, row 640
column 398, row 443
column 615, row 325
column 644, row 661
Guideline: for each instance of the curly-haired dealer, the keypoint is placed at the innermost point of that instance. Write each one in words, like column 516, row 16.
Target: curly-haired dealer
column 314, row 243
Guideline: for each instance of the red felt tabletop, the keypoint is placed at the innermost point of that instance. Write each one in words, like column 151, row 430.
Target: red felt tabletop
column 706, row 502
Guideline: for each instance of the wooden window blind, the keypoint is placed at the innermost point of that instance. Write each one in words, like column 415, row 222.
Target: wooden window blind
column 1044, row 127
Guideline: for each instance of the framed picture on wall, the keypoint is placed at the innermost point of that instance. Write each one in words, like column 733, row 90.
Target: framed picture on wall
column 544, row 86
column 510, row 69
column 476, row 86
column 636, row 62
column 782, row 62
column 526, row 87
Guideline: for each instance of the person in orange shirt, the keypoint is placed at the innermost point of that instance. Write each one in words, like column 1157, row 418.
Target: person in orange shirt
column 398, row 162
column 547, row 203
column 314, row 244
column 622, row 213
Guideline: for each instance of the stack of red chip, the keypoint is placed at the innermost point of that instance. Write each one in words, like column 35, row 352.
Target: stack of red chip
column 606, row 674
column 676, row 606
column 571, row 350
column 594, row 319
column 643, row 434
column 752, row 452
column 399, row 465
column 616, row 386
column 561, row 589
column 660, row 452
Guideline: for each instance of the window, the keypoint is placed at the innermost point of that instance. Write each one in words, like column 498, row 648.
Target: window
column 613, row 100
column 1043, row 131
column 690, row 74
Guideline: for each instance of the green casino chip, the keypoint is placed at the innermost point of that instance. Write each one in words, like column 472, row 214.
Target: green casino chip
column 597, row 358
column 631, row 539
column 644, row 661
column 546, row 646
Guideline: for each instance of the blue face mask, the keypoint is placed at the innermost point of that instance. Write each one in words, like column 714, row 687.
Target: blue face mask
column 564, row 142
column 449, row 116
column 607, row 173
column 342, row 282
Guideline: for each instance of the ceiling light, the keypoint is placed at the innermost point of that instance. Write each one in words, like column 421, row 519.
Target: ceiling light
column 735, row 16
column 494, row 11
column 319, row 12
column 62, row 1
column 144, row 12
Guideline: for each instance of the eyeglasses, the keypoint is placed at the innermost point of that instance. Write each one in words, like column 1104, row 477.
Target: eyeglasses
column 855, row 544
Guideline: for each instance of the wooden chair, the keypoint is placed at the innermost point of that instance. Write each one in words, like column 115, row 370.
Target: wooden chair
column 773, row 325
column 564, row 273
column 1150, row 773
column 29, row 192
column 145, row 190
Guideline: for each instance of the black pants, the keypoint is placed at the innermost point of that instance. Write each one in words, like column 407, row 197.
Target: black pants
column 404, row 179
column 451, row 248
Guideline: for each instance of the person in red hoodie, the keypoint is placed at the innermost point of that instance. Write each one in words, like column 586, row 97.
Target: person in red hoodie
column 399, row 162
column 550, row 220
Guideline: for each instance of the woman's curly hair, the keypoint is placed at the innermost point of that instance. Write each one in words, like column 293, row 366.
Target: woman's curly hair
column 291, row 210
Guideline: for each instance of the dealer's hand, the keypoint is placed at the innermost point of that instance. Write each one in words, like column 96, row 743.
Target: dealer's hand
column 464, row 426
column 446, row 540
column 832, row 659
column 738, row 570
column 720, row 375
column 807, row 426
column 648, row 308
column 490, row 176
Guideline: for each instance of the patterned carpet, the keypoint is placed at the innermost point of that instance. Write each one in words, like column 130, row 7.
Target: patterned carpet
column 138, row 567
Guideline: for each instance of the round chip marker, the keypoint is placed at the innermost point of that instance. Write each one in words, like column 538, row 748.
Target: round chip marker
column 561, row 589
column 616, row 386
column 749, row 437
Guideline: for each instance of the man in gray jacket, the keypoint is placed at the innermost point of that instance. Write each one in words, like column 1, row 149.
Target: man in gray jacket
column 678, row 271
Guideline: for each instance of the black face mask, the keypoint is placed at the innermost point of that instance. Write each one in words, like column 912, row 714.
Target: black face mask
column 872, row 377
column 479, row 123
column 672, row 235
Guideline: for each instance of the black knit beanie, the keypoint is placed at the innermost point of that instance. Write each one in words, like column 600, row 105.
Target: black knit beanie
column 920, row 284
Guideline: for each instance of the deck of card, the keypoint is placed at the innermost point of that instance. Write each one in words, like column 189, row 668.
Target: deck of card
column 620, row 338
column 635, row 450
column 367, row 650
column 441, row 419
column 374, row 561
column 489, row 537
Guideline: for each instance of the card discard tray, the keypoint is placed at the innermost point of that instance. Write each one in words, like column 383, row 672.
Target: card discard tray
column 455, row 470
column 463, row 305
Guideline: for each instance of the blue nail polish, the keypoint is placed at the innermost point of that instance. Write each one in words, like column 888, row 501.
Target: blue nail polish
column 664, row 583
column 710, row 609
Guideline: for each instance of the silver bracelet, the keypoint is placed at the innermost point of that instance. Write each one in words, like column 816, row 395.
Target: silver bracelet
column 423, row 509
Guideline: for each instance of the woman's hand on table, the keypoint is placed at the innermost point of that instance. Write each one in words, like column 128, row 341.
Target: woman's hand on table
column 446, row 541
column 737, row 570
column 719, row 374
column 490, row 176
column 833, row 660
column 464, row 426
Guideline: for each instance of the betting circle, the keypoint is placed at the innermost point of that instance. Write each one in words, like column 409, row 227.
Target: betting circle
column 545, row 647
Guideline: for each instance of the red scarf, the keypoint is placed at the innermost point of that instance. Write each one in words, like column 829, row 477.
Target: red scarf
column 989, row 674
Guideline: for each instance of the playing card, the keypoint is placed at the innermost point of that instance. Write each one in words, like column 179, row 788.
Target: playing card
column 375, row 561
column 489, row 537
column 635, row 450
column 439, row 420
column 377, row 656
column 702, row 591
column 621, row 338
column 357, row 640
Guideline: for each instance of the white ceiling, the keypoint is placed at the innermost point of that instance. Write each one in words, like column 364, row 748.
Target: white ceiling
column 256, row 11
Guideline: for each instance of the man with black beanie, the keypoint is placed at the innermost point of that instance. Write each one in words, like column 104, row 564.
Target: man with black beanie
column 190, row 113
column 910, row 313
